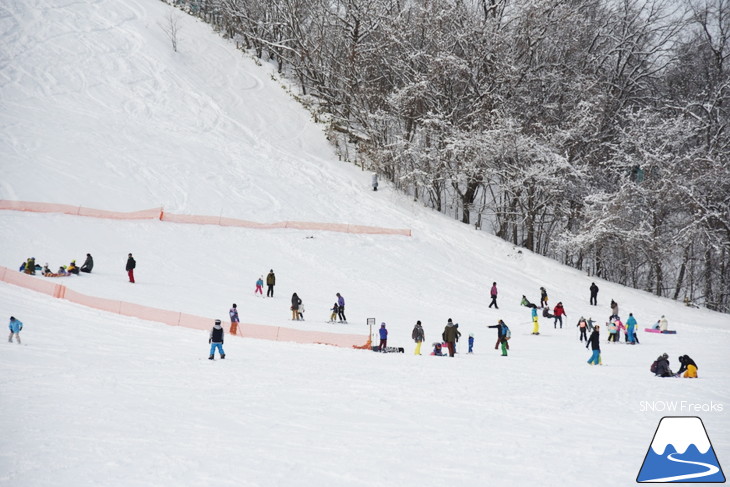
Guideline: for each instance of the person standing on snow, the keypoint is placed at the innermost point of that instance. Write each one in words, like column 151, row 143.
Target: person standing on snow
column 216, row 340
column 418, row 336
column 449, row 336
column 502, row 336
column 131, row 264
column 543, row 298
column 295, row 303
column 260, row 286
column 583, row 327
column 614, row 310
column 383, row 337
column 270, row 282
column 341, row 308
column 233, row 313
column 493, row 294
column 535, row 323
column 595, row 344
column 375, row 182
column 594, row 294
column 88, row 264
column 471, row 343
column 559, row 312
column 630, row 327
column 15, row 326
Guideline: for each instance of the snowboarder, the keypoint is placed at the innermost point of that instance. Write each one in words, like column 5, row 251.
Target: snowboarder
column 418, row 336
column 559, row 312
column 594, row 294
column 131, row 264
column 503, row 335
column 689, row 367
column 270, row 282
column 661, row 366
column 383, row 337
column 493, row 294
column 233, row 313
column 216, row 340
column 582, row 326
column 341, row 308
column 630, row 328
column 15, row 326
column 375, row 182
column 260, row 286
column 595, row 344
column 449, row 336
column 295, row 303
column 88, row 264
column 471, row 343
column 535, row 323
column 543, row 298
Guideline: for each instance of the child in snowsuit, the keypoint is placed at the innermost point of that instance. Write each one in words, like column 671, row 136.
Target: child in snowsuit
column 543, row 298
column 335, row 309
column 612, row 331
column 418, row 336
column 383, row 337
column 233, row 313
column 260, row 286
column 582, row 326
column 72, row 269
column 593, row 341
column 471, row 342
column 15, row 326
column 689, row 367
column 535, row 323
column 216, row 340
column 437, row 349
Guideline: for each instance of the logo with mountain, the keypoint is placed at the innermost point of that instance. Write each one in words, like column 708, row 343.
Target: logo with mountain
column 681, row 452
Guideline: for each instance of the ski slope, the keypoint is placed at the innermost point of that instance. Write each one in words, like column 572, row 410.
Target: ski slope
column 97, row 110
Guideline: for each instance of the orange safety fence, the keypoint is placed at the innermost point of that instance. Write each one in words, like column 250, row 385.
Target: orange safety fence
column 175, row 318
column 160, row 214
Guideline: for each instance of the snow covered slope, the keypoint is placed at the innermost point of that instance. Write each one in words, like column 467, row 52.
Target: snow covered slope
column 96, row 110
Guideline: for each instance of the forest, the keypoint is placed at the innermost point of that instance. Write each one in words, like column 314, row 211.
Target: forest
column 594, row 132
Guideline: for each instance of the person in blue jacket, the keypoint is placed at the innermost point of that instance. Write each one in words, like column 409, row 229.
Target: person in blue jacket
column 15, row 326
column 630, row 329
column 383, row 337
column 216, row 340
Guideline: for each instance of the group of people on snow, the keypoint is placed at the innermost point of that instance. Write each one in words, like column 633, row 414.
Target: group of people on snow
column 31, row 267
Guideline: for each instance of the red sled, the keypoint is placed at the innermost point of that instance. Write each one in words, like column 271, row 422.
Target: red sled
column 666, row 332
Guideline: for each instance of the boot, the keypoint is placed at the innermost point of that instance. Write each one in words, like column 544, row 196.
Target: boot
column 210, row 358
column 222, row 357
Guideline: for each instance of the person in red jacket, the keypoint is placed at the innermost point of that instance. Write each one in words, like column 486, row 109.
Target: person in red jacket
column 559, row 312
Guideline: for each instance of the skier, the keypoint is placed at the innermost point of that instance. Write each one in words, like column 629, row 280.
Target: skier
column 503, row 335
column 15, row 326
column 260, row 286
column 471, row 343
column 493, row 294
column 582, row 326
column 131, row 264
column 559, row 312
column 295, row 303
column 594, row 294
column 216, row 340
column 543, row 298
column 535, row 323
column 88, row 264
column 335, row 308
column 449, row 336
column 270, row 282
column 383, row 337
column 595, row 344
column 418, row 336
column 630, row 328
column 689, row 367
column 233, row 313
column 341, row 308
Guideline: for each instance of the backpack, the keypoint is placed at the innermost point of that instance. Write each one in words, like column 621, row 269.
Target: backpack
column 653, row 367
column 507, row 332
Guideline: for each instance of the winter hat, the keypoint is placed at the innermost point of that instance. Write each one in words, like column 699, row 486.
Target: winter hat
column 217, row 322
column 12, row 317
column 418, row 322
column 382, row 325
column 471, row 335
column 664, row 355
column 234, row 305
column 450, row 321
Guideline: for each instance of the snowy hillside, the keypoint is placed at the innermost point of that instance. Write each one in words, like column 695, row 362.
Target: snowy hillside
column 97, row 110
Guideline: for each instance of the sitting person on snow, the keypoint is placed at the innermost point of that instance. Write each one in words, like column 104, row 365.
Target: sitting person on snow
column 62, row 271
column 46, row 270
column 526, row 302
column 546, row 313
column 662, row 366
column 437, row 349
column 689, row 367
column 72, row 269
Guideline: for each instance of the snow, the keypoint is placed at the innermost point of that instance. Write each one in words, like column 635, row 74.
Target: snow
column 96, row 110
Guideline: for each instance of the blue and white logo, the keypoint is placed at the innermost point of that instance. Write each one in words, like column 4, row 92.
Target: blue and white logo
column 681, row 452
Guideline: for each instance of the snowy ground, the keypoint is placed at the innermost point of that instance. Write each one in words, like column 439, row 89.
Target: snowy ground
column 96, row 110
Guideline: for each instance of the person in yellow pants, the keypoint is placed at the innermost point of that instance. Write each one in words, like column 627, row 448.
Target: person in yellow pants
column 535, row 324
column 418, row 336
column 689, row 367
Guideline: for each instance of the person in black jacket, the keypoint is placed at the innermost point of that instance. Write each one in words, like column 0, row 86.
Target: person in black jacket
column 88, row 264
column 594, row 294
column 594, row 342
column 131, row 264
column 689, row 367
column 295, row 303
column 270, row 283
column 216, row 340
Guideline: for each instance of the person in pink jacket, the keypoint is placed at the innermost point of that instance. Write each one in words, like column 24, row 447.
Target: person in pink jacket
column 493, row 294
column 620, row 326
